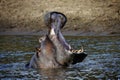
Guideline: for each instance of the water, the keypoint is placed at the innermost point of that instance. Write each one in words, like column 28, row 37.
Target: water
column 102, row 62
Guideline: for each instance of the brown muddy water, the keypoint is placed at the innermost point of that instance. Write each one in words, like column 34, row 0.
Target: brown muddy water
column 102, row 62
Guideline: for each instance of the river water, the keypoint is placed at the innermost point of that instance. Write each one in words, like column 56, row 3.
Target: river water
column 102, row 62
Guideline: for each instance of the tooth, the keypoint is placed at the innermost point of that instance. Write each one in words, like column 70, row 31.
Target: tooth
column 82, row 50
column 76, row 51
column 79, row 51
column 69, row 47
column 52, row 32
column 73, row 51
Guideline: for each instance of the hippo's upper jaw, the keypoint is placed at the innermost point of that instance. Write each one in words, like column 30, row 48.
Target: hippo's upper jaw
column 55, row 51
column 58, row 21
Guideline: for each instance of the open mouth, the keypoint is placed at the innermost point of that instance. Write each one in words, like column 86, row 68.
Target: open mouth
column 58, row 21
column 54, row 51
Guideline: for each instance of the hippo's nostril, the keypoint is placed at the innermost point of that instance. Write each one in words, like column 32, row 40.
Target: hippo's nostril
column 52, row 17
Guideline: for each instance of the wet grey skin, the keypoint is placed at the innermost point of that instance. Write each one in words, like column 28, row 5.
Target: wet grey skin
column 63, row 53
column 55, row 22
column 54, row 49
column 45, row 58
column 54, row 52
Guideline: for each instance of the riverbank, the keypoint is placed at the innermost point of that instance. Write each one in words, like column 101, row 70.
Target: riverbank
column 84, row 17
column 65, row 33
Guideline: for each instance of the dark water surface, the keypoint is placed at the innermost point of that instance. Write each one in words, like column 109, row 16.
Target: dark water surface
column 102, row 62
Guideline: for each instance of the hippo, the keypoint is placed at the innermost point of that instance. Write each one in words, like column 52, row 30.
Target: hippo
column 54, row 51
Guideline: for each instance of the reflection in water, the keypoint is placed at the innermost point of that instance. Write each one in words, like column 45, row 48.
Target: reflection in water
column 102, row 62
column 52, row 74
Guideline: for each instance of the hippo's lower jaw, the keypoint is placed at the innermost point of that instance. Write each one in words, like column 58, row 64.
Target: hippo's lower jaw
column 75, row 56
column 41, row 60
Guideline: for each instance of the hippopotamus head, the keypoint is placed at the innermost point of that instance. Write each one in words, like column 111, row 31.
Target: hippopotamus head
column 54, row 51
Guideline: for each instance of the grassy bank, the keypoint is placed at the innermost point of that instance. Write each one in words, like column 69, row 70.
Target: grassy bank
column 92, row 17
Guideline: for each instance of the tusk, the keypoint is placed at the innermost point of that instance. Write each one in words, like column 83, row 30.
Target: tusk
column 69, row 47
column 52, row 32
column 82, row 50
